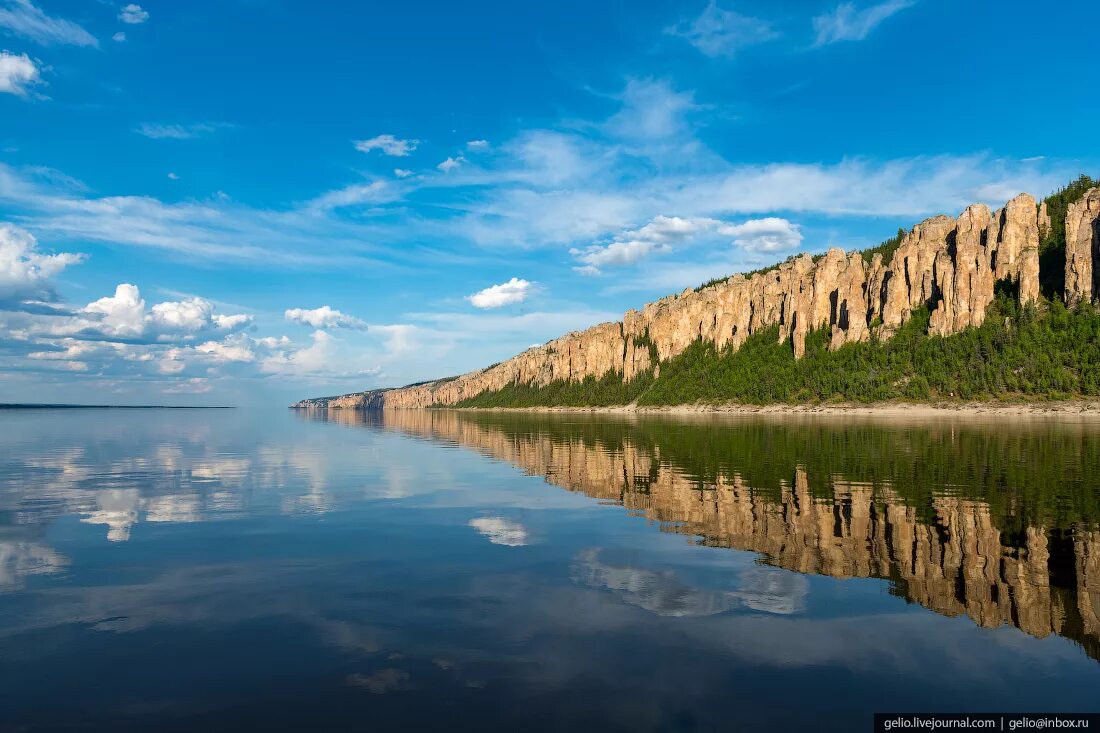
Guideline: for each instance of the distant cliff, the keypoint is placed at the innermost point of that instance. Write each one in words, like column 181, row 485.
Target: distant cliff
column 949, row 269
column 371, row 400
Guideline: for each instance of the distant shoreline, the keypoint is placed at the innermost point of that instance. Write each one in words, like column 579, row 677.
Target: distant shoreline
column 48, row 406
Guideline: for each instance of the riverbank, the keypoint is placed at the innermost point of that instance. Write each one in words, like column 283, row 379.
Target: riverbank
column 1068, row 408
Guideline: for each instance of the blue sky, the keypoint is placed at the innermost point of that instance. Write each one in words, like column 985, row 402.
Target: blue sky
column 252, row 201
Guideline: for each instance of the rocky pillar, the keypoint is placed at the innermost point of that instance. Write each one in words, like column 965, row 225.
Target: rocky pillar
column 1082, row 243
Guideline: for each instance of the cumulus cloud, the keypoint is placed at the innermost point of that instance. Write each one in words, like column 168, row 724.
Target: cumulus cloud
column 316, row 357
column 847, row 23
column 121, row 314
column 451, row 163
column 23, row 18
column 388, row 144
column 631, row 246
column 191, row 314
column 402, row 172
column 477, row 145
column 119, row 37
column 501, row 531
column 229, row 322
column 25, row 273
column 771, row 234
column 17, row 74
column 234, row 348
column 323, row 317
column 719, row 32
column 133, row 14
column 497, row 296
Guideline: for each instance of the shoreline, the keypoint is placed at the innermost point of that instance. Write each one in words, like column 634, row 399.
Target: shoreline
column 1068, row 408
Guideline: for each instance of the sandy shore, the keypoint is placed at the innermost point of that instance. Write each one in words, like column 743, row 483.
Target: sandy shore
column 1068, row 408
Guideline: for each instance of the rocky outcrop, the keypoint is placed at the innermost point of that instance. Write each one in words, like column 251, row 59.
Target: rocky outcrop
column 1083, row 249
column 370, row 400
column 1014, row 242
column 949, row 266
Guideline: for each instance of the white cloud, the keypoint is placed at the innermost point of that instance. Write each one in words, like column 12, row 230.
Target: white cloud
column 23, row 18
column 234, row 348
column 133, row 14
column 629, row 247
column 451, row 163
column 119, row 37
column 718, row 32
column 771, row 234
column 194, row 385
column 121, row 314
column 171, row 363
column 846, row 23
column 216, row 229
column 173, row 177
column 25, row 273
column 191, row 314
column 497, row 296
column 162, row 131
column 323, row 317
column 501, row 531
column 353, row 195
column 17, row 74
column 229, row 322
column 400, row 338
column 477, row 145
column 402, row 172
column 388, row 144
column 317, row 357
column 271, row 342
column 652, row 110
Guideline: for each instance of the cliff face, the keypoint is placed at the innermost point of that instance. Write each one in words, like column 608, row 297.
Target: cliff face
column 371, row 400
column 948, row 265
column 1083, row 248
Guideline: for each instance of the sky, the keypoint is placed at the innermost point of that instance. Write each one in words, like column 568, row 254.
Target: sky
column 248, row 202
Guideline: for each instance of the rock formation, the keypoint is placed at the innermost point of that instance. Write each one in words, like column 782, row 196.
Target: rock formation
column 1083, row 248
column 949, row 266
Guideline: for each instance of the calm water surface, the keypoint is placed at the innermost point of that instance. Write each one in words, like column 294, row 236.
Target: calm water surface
column 203, row 570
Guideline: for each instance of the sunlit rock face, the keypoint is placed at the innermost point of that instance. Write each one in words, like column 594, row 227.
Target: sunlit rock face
column 949, row 556
column 1083, row 249
column 950, row 266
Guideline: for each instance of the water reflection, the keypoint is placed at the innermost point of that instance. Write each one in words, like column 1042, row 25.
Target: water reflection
column 994, row 523
column 182, row 571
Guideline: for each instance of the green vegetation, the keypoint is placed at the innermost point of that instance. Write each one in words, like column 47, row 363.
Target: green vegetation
column 604, row 392
column 1018, row 352
column 1030, row 475
column 1042, row 351
column 748, row 275
column 886, row 249
column 1052, row 248
column 1033, row 352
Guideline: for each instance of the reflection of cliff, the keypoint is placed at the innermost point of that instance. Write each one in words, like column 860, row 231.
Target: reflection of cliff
column 951, row 557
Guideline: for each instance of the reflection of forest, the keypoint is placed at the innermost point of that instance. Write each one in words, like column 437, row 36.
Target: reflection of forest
column 943, row 550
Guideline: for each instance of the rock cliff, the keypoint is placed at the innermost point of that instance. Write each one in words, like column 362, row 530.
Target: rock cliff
column 950, row 266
